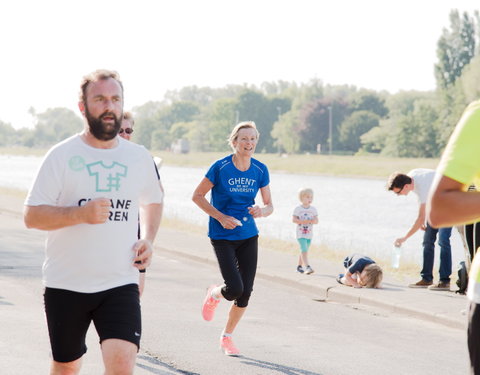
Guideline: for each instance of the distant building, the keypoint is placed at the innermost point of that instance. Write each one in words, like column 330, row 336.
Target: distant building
column 181, row 146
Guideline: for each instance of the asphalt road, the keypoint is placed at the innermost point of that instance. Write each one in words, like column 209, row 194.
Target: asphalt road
column 285, row 331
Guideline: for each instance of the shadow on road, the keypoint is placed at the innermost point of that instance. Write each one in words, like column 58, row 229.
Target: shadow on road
column 157, row 367
column 276, row 367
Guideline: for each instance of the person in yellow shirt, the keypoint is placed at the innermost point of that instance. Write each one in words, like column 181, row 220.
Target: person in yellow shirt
column 450, row 203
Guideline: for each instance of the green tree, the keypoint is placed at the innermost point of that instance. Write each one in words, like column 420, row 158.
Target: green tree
column 379, row 139
column 455, row 48
column 254, row 106
column 221, row 119
column 146, row 123
column 470, row 80
column 314, row 124
column 366, row 100
column 198, row 136
column 354, row 126
column 8, row 135
column 285, row 135
column 54, row 125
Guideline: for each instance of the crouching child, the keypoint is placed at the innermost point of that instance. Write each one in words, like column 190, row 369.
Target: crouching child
column 361, row 271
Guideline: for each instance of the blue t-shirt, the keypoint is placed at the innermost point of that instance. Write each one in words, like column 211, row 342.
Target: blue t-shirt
column 356, row 263
column 232, row 193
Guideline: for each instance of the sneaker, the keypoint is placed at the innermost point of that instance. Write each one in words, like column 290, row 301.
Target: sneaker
column 440, row 286
column 339, row 278
column 309, row 270
column 300, row 269
column 228, row 347
column 421, row 284
column 209, row 304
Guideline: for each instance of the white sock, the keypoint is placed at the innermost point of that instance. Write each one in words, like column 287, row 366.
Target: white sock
column 215, row 293
column 224, row 334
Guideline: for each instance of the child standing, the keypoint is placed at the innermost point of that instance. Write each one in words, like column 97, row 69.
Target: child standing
column 305, row 216
column 360, row 271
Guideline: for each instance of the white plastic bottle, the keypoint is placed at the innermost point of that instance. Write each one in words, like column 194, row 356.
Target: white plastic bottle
column 396, row 252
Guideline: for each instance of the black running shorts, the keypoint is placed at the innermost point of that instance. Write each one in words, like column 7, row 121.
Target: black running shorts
column 115, row 313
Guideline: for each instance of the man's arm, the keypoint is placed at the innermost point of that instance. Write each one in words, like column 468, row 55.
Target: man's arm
column 150, row 217
column 45, row 217
column 418, row 224
column 450, row 204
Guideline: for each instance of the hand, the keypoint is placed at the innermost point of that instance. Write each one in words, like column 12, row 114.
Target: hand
column 144, row 252
column 423, row 227
column 229, row 222
column 255, row 211
column 399, row 241
column 97, row 211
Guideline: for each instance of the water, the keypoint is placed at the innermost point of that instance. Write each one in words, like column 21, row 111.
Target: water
column 355, row 215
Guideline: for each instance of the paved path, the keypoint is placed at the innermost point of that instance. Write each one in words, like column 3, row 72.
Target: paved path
column 445, row 308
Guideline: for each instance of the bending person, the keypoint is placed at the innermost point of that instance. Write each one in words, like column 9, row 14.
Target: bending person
column 234, row 182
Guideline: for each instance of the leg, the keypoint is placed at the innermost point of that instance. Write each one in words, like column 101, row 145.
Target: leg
column 226, row 342
column 141, row 283
column 119, row 356
column 234, row 316
column 66, row 368
column 228, row 264
column 68, row 319
column 445, row 254
column 474, row 338
column 428, row 252
column 119, row 325
column 303, row 258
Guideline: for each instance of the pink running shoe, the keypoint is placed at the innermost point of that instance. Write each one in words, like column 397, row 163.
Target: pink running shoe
column 228, row 347
column 209, row 304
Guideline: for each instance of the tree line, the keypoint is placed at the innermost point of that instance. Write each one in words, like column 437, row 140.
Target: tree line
column 302, row 118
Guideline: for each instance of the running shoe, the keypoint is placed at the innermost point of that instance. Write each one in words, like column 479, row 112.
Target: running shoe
column 209, row 304
column 300, row 269
column 228, row 347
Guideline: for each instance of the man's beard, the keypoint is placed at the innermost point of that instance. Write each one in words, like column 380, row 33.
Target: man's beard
column 100, row 130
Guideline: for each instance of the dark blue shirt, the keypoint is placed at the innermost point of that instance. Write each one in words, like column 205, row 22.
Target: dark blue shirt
column 232, row 193
column 356, row 263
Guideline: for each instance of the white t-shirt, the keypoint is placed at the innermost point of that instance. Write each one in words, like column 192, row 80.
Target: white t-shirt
column 310, row 213
column 423, row 179
column 89, row 258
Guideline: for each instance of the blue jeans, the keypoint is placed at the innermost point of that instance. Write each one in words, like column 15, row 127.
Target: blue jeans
column 429, row 239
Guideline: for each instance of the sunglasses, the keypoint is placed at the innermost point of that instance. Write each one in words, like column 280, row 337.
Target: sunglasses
column 127, row 130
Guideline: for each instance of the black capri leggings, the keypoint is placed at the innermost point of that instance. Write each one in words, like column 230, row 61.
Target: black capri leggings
column 238, row 265
column 474, row 338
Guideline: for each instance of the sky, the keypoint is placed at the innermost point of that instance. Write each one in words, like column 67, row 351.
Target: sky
column 159, row 45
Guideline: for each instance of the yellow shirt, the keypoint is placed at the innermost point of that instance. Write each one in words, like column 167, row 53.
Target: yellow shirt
column 461, row 162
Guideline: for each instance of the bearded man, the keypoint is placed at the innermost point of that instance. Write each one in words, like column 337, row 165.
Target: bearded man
column 87, row 195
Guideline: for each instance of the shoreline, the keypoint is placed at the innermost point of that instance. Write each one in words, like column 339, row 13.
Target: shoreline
column 371, row 166
column 11, row 203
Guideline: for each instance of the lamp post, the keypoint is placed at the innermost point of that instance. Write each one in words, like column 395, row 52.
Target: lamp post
column 330, row 130
column 279, row 110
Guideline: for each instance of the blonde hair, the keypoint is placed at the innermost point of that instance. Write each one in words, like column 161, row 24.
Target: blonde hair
column 96, row 76
column 374, row 275
column 304, row 191
column 242, row 125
